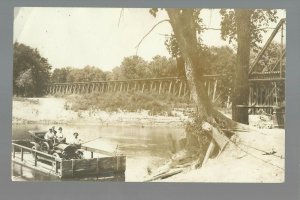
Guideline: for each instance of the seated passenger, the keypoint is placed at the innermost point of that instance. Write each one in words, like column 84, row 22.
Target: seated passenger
column 76, row 140
column 60, row 136
column 49, row 135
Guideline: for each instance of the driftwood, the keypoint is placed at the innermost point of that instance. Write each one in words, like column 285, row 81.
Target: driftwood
column 165, row 175
column 210, row 149
column 220, row 139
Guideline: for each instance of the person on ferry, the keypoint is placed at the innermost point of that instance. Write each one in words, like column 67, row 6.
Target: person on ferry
column 76, row 140
column 60, row 136
column 49, row 135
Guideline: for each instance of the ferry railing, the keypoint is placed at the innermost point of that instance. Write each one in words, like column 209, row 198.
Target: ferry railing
column 56, row 162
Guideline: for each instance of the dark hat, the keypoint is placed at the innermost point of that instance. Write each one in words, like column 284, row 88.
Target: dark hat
column 75, row 133
column 60, row 128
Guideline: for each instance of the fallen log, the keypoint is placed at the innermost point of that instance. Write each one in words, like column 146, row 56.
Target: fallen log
column 165, row 175
column 220, row 139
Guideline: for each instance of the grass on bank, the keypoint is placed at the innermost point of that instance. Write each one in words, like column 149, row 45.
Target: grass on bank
column 131, row 102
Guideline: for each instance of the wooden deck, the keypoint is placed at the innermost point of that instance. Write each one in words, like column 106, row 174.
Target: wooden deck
column 94, row 165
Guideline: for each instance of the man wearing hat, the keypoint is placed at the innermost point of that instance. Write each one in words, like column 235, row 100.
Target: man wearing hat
column 49, row 135
column 76, row 140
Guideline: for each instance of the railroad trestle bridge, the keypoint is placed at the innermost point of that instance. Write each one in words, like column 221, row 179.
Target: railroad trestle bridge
column 172, row 85
column 265, row 89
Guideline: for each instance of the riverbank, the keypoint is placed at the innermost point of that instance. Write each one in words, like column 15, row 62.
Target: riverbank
column 256, row 156
column 252, row 157
column 57, row 111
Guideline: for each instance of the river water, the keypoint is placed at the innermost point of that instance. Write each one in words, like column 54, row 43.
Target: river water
column 144, row 147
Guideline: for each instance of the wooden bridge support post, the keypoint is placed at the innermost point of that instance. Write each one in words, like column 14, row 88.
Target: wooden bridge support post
column 159, row 90
column 143, row 87
column 93, row 88
column 175, row 87
column 180, row 87
column 215, row 90
column 115, row 86
column 170, row 87
column 185, row 89
column 121, row 86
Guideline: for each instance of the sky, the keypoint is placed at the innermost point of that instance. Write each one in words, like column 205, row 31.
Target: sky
column 101, row 37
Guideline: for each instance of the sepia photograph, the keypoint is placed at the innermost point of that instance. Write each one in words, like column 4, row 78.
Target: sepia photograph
column 148, row 95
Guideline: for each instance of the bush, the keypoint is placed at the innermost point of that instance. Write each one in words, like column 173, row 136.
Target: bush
column 131, row 102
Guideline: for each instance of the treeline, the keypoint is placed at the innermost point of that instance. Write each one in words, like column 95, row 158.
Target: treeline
column 133, row 67
column 221, row 60
column 32, row 72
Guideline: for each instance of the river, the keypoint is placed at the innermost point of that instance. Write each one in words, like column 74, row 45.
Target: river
column 145, row 147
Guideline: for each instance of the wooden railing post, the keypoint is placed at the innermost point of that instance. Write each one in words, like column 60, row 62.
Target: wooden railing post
column 97, row 170
column 35, row 158
column 73, row 167
column 22, row 154
column 14, row 151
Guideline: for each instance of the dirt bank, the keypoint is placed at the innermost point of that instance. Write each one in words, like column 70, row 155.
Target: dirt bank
column 56, row 111
column 255, row 157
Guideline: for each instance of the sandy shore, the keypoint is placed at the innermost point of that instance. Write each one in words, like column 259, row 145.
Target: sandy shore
column 55, row 111
column 244, row 163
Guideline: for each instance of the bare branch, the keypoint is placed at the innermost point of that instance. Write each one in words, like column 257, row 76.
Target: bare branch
column 138, row 45
column 121, row 14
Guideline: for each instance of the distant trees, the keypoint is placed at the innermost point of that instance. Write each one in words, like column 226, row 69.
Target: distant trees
column 71, row 74
column 161, row 66
column 31, row 71
column 132, row 67
column 221, row 60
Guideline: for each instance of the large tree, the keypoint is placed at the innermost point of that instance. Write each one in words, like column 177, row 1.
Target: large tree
column 31, row 71
column 240, row 84
column 245, row 27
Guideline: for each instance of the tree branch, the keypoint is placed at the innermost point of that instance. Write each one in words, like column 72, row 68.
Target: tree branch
column 121, row 14
column 138, row 45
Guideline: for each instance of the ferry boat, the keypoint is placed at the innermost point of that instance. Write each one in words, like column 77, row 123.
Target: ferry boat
column 68, row 161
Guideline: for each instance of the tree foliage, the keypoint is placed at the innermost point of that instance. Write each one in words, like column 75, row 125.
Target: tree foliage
column 134, row 67
column 71, row 74
column 160, row 66
column 259, row 23
column 31, row 71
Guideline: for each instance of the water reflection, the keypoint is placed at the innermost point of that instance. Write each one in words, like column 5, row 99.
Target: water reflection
column 143, row 146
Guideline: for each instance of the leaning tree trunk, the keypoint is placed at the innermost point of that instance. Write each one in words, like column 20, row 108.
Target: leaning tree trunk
column 184, row 28
column 241, row 85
